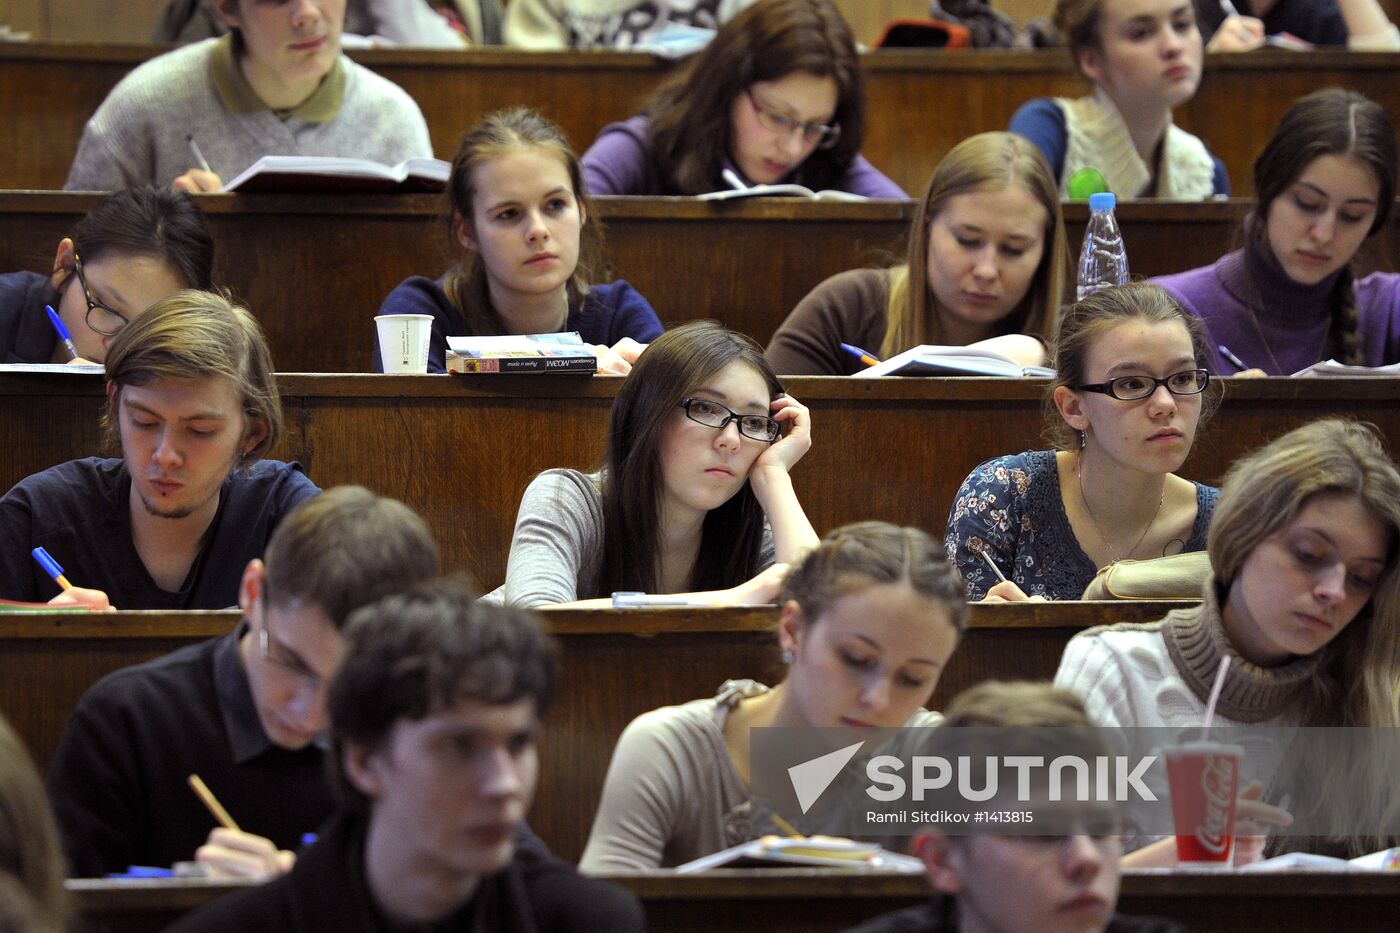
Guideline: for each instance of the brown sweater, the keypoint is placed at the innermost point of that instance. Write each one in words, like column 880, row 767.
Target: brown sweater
column 849, row 307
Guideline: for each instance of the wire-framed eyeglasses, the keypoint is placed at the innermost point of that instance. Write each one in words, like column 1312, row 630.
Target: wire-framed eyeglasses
column 1132, row 388
column 775, row 121
column 102, row 319
column 714, row 415
column 274, row 654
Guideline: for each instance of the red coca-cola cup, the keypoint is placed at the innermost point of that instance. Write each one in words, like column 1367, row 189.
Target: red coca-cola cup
column 1204, row 781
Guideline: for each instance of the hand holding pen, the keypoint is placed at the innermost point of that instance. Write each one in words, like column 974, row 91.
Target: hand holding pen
column 71, row 595
column 1236, row 33
column 199, row 180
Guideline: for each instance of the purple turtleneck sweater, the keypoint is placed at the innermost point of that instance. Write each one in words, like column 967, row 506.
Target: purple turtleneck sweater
column 1272, row 323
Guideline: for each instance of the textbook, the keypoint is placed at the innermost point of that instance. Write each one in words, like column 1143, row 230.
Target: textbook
column 828, row 851
column 521, row 353
column 1333, row 368
column 328, row 173
column 781, row 191
column 931, row 360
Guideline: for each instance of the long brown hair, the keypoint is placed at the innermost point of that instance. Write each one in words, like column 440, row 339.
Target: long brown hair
column 496, row 136
column 690, row 131
column 29, row 848
column 985, row 162
column 1336, row 122
column 674, row 365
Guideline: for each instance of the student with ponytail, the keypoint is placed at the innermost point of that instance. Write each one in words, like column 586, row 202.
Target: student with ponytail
column 1291, row 296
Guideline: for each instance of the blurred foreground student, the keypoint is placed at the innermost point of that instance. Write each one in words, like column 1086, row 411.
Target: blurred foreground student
column 869, row 621
column 986, row 266
column 434, row 722
column 694, row 495
column 1304, row 600
column 1144, row 59
column 134, row 248
column 277, row 85
column 1062, row 882
column 775, row 97
column 1129, row 394
column 518, row 218
column 193, row 403
column 245, row 712
column 29, row 848
column 1325, row 184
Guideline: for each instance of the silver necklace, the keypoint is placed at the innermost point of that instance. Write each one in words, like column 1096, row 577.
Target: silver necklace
column 1079, row 481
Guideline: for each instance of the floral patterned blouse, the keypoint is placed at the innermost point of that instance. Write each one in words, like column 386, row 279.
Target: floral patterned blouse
column 1011, row 507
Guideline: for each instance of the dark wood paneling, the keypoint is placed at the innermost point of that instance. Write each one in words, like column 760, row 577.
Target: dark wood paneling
column 315, row 269
column 823, row 901
column 919, row 104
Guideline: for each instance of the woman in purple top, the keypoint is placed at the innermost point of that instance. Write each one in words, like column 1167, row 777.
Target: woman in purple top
column 516, row 208
column 1290, row 298
column 775, row 97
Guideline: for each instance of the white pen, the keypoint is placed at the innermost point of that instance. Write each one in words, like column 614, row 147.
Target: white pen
column 1229, row 8
column 734, row 180
column 630, row 600
column 991, row 563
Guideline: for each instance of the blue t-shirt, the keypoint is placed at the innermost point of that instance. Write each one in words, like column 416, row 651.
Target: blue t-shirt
column 1043, row 123
column 1011, row 507
column 80, row 512
column 26, row 336
column 605, row 315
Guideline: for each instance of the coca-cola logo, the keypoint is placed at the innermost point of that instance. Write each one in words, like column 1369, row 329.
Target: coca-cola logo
column 1218, row 785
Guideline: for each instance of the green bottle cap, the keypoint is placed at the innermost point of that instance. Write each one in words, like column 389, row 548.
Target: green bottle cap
column 1085, row 182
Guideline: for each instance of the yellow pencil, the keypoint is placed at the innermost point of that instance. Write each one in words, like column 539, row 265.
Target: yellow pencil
column 212, row 802
column 786, row 827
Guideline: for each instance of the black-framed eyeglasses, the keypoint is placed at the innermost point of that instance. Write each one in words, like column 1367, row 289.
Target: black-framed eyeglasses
column 775, row 121
column 102, row 319
column 714, row 415
column 1132, row 388
column 273, row 654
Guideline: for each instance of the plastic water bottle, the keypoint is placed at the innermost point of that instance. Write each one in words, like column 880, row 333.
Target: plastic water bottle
column 1103, row 262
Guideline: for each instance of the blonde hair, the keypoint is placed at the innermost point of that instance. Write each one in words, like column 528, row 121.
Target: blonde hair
column 498, row 135
column 29, row 848
column 1358, row 681
column 1085, row 321
column 194, row 335
column 1015, row 705
column 985, row 162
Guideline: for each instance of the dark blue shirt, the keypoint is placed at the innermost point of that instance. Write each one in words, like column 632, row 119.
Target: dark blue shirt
column 1316, row 21
column 26, row 336
column 80, row 512
column 605, row 315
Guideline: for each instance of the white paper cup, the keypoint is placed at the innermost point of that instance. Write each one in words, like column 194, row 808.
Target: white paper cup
column 403, row 341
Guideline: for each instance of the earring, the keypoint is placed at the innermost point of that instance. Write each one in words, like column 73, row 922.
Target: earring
column 789, row 656
column 1083, row 439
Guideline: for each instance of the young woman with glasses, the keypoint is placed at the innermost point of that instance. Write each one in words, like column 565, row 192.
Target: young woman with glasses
column 775, row 97
column 134, row 248
column 694, row 494
column 1291, row 297
column 1125, row 404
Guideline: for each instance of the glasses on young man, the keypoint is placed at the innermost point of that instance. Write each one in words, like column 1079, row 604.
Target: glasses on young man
column 103, row 320
column 276, row 655
column 1132, row 388
column 714, row 415
column 775, row 121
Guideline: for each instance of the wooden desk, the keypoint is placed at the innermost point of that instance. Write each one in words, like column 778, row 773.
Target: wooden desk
column 314, row 269
column 461, row 450
column 616, row 665
column 919, row 104
column 763, row 900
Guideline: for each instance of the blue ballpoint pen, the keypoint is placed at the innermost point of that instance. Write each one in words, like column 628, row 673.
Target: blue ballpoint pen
column 63, row 334
column 1235, row 360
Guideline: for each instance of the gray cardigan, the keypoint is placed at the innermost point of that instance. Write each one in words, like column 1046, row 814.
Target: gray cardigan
column 139, row 134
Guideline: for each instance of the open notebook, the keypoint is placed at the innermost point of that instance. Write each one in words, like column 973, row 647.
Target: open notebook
column 328, row 173
column 933, row 360
column 828, row 851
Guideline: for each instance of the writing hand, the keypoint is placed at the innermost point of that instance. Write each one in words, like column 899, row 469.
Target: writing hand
column 1250, row 374
column 231, row 853
column 80, row 361
column 96, row 600
column 1008, row 592
column 198, row 181
column 1252, row 819
column 619, row 358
